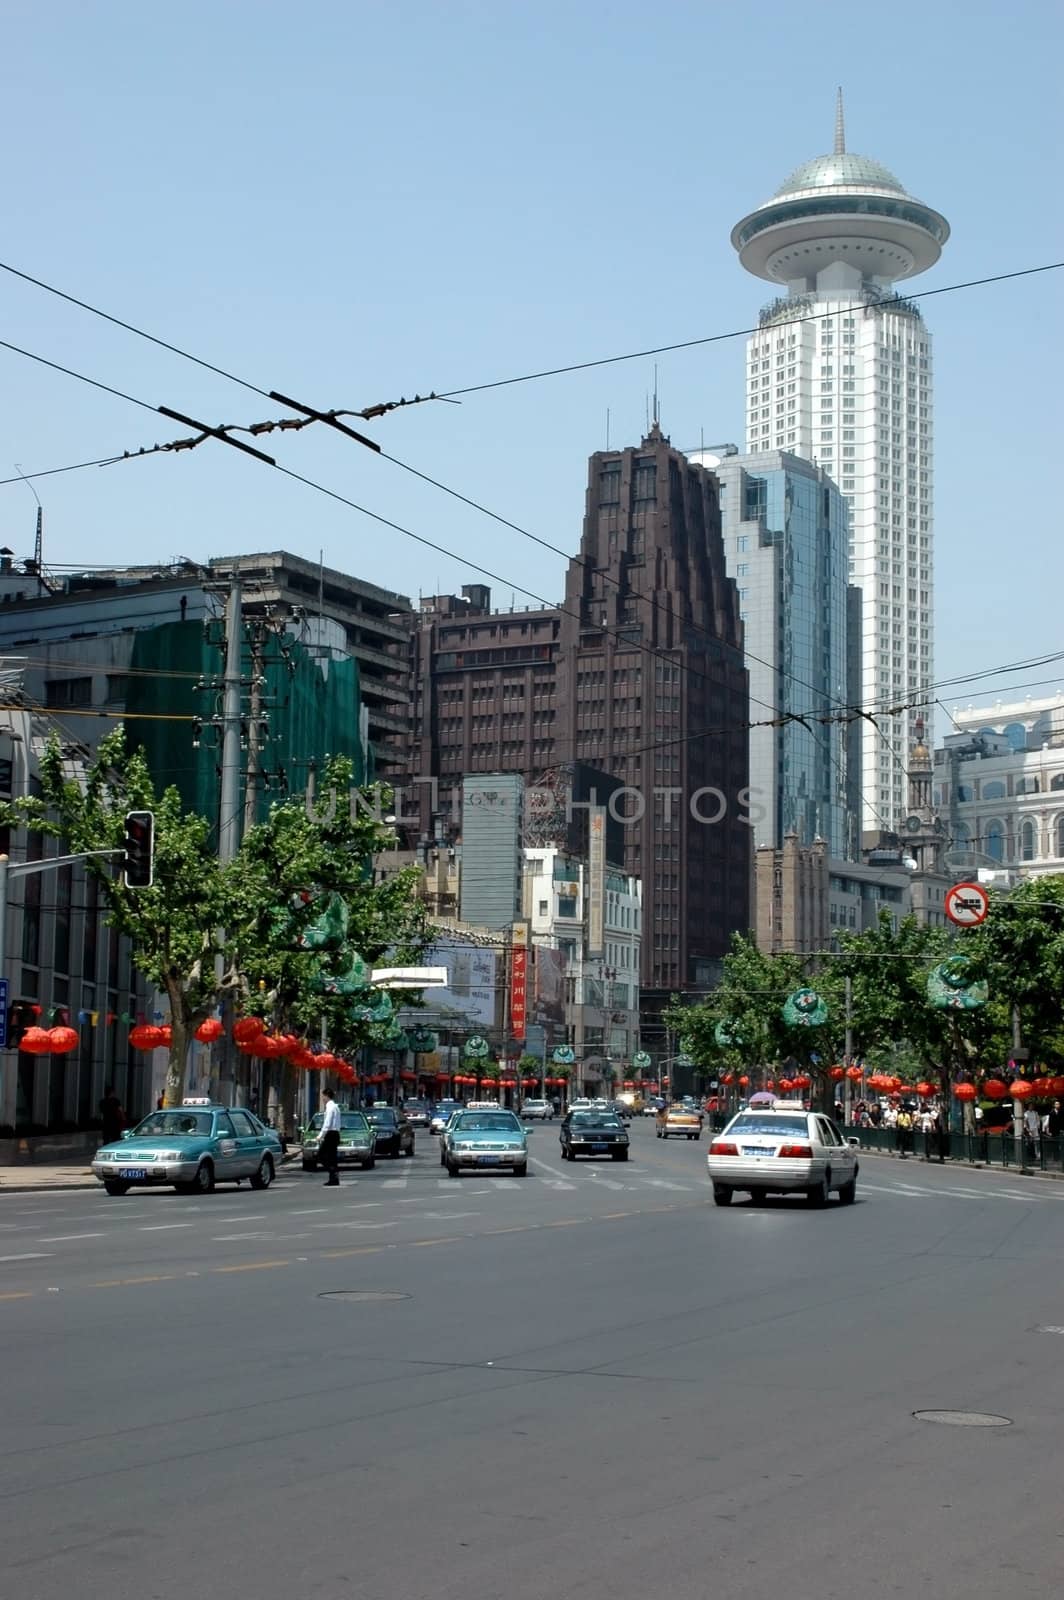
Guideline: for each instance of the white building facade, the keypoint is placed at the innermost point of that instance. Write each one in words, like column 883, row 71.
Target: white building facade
column 999, row 780
column 840, row 372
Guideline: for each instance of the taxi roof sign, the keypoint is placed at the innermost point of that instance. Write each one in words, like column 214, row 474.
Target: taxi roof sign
column 198, row 1100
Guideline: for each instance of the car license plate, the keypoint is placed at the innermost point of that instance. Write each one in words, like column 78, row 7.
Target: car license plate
column 132, row 1172
column 597, row 1149
column 753, row 1150
column 489, row 1161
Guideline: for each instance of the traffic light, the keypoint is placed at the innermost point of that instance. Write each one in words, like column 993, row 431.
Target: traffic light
column 138, row 865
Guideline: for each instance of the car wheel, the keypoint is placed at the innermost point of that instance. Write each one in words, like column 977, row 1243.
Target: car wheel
column 619, row 1155
column 369, row 1164
column 264, row 1177
column 848, row 1192
column 452, row 1170
column 692, row 1136
column 820, row 1193
column 309, row 1166
column 522, row 1170
column 116, row 1188
column 203, row 1182
column 758, row 1196
column 721, row 1194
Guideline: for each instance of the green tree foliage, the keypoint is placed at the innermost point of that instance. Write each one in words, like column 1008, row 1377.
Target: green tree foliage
column 206, row 930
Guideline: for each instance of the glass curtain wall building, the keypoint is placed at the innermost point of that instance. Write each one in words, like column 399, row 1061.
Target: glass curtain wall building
column 786, row 544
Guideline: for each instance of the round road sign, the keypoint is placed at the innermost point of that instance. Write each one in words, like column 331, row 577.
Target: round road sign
column 967, row 904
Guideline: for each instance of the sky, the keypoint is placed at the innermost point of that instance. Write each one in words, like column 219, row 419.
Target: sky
column 349, row 203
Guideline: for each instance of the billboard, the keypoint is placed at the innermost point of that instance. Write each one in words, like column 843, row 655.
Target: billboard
column 549, row 992
column 470, row 992
column 596, row 882
column 519, row 981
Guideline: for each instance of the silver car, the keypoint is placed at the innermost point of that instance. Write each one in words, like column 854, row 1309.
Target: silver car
column 485, row 1139
column 537, row 1111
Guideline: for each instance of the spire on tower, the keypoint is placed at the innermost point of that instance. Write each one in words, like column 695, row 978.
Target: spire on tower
column 840, row 125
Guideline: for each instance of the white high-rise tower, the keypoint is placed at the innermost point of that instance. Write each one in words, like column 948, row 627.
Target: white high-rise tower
column 850, row 388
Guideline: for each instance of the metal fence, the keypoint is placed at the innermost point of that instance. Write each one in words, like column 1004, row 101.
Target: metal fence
column 978, row 1149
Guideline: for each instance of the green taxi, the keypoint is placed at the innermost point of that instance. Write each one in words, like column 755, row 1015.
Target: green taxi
column 358, row 1141
column 482, row 1139
column 191, row 1147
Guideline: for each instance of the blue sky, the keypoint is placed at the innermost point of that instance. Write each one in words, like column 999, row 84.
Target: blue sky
column 352, row 202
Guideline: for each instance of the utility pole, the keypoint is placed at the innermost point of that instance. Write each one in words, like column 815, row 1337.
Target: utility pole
column 847, row 1048
column 1019, row 1054
column 232, row 684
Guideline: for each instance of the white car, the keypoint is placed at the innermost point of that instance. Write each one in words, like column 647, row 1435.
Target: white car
column 783, row 1149
column 538, row 1110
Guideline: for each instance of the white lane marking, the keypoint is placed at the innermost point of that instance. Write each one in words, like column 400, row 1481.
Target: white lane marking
column 224, row 1238
column 33, row 1255
column 164, row 1227
column 394, row 1183
column 443, row 1216
column 393, row 1224
column 663, row 1183
column 311, row 1211
column 68, row 1238
column 875, row 1188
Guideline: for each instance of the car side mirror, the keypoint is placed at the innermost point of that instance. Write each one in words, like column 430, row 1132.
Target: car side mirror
column 127, row 1133
column 855, row 1144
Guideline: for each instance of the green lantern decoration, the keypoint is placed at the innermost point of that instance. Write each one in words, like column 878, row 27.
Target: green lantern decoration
column 727, row 1035
column 564, row 1056
column 476, row 1048
column 329, row 929
column 422, row 1041
column 377, row 1008
column 641, row 1059
column 804, row 1009
column 685, row 1058
column 952, row 986
column 350, row 980
column 395, row 1038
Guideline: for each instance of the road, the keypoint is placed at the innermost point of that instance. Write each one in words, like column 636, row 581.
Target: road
column 587, row 1383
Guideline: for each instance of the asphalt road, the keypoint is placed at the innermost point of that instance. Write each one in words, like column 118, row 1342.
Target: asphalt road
column 587, row 1383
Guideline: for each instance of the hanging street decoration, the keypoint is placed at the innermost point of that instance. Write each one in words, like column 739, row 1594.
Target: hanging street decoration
column 728, row 1035
column 804, row 1009
column 329, row 929
column 564, row 1055
column 952, row 986
column 422, row 1041
column 476, row 1048
column 641, row 1059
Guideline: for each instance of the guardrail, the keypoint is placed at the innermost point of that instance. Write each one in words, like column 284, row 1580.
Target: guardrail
column 978, row 1149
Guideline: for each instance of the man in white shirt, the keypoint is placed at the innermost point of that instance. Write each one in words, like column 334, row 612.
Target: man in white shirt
column 330, row 1139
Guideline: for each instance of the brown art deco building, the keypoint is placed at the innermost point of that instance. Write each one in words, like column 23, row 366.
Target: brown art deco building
column 640, row 674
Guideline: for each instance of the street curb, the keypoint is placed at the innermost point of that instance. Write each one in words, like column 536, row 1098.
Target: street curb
column 76, row 1184
column 971, row 1166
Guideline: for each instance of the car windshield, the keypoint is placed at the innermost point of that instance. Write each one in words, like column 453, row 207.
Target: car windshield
column 768, row 1124
column 382, row 1119
column 595, row 1119
column 174, row 1124
column 488, row 1122
column 415, row 1105
column 350, row 1122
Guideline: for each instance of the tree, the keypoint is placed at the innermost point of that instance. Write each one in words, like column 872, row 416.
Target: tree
column 173, row 926
column 265, row 900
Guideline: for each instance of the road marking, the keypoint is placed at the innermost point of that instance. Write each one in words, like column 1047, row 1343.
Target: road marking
column 393, row 1224
column 18, row 1294
column 452, row 1216
column 394, row 1183
column 455, row 1238
column 362, row 1250
column 663, row 1183
column 228, row 1238
column 163, row 1227
column 119, row 1283
column 33, row 1255
column 252, row 1266
column 312, row 1211
column 68, row 1238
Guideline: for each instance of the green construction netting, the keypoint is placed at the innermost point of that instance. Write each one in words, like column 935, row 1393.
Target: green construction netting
column 313, row 711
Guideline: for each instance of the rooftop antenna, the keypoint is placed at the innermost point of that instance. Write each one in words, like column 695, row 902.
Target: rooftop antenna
column 38, row 545
column 840, row 125
column 657, row 418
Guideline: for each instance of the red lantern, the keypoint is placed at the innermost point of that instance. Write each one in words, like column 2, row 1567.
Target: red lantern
column 1056, row 1086
column 1020, row 1089
column 35, row 1042
column 855, row 1074
column 744, row 1081
column 770, row 1083
column 964, row 1091
column 166, row 1035
column 802, row 1080
column 327, row 1063
column 994, row 1089
column 729, row 1078
column 248, row 1028
column 62, row 1040
column 145, row 1036
column 1042, row 1088
column 209, row 1030
column 925, row 1090
column 836, row 1074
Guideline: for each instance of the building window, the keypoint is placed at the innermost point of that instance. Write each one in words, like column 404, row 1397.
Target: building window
column 610, row 485
column 994, row 841
column 1027, row 840
column 68, row 692
column 646, row 482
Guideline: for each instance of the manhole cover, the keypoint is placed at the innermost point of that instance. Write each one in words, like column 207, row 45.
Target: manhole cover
column 964, row 1419
column 363, row 1294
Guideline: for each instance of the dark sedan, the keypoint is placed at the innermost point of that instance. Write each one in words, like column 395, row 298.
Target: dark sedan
column 593, row 1133
column 395, row 1136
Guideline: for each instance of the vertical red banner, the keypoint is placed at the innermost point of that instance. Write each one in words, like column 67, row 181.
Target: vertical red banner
column 518, row 992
